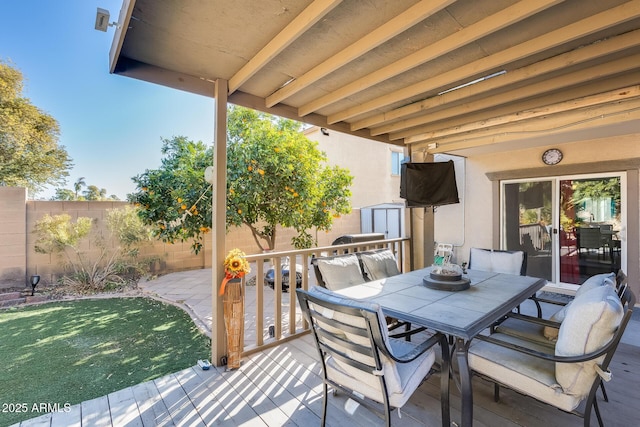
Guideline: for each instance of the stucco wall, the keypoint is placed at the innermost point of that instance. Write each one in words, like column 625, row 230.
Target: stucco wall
column 480, row 219
column 368, row 161
column 19, row 260
column 12, row 236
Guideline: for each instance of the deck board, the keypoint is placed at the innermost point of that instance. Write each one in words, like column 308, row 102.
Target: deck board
column 96, row 412
column 152, row 409
column 124, row 409
column 205, row 402
column 73, row 418
column 181, row 408
column 281, row 386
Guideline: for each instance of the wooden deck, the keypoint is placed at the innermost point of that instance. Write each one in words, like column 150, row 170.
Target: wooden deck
column 281, row 387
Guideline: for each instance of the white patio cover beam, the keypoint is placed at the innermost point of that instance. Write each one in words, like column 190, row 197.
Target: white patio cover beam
column 556, row 63
column 463, row 37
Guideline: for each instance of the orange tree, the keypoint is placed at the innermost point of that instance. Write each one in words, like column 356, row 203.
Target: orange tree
column 175, row 199
column 275, row 177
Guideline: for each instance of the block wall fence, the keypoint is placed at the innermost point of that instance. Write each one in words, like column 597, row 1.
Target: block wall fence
column 19, row 261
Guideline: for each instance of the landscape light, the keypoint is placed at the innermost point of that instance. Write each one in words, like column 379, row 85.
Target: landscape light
column 34, row 282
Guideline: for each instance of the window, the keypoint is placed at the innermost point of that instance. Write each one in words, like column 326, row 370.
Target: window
column 397, row 159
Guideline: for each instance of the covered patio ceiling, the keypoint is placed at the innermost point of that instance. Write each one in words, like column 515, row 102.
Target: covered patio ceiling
column 462, row 77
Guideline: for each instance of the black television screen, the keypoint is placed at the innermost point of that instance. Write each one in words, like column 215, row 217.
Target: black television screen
column 428, row 184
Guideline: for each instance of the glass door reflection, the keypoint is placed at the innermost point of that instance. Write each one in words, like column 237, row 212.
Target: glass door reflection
column 570, row 227
column 590, row 224
column 528, row 224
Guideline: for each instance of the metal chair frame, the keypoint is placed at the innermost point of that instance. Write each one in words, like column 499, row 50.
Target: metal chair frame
column 328, row 344
column 628, row 300
column 392, row 324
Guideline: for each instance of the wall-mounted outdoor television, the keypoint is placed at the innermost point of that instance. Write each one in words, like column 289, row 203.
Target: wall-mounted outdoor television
column 428, row 184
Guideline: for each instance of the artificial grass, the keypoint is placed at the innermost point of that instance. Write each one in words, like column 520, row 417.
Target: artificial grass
column 67, row 352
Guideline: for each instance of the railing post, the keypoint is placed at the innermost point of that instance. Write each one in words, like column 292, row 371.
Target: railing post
column 218, row 212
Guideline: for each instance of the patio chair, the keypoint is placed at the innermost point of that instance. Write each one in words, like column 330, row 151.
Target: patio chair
column 545, row 331
column 500, row 261
column 338, row 271
column 359, row 357
column 341, row 271
column 570, row 374
column 589, row 238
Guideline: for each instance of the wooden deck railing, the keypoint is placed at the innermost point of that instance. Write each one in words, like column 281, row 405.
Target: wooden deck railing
column 270, row 326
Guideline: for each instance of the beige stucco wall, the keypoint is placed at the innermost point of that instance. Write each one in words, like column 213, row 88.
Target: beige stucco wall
column 368, row 161
column 479, row 202
column 12, row 236
column 18, row 258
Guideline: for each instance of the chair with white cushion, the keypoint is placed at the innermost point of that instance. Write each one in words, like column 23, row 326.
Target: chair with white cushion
column 498, row 261
column 338, row 271
column 378, row 264
column 570, row 373
column 545, row 331
column 342, row 271
column 359, row 357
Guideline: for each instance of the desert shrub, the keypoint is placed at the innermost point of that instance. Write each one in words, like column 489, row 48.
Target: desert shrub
column 115, row 260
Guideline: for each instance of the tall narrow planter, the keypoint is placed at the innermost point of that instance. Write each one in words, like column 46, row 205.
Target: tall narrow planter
column 233, row 303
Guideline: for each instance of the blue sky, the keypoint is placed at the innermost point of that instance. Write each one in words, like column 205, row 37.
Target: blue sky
column 110, row 125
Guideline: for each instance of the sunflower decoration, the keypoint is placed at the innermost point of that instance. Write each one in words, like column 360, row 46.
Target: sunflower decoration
column 235, row 266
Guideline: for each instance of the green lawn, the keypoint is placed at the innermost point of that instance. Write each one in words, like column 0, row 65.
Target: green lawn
column 67, row 352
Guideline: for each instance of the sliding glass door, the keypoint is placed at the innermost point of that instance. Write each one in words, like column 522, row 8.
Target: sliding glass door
column 571, row 227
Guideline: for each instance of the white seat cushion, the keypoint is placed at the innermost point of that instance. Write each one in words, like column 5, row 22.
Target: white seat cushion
column 400, row 386
column 527, row 374
column 401, row 378
column 379, row 264
column 480, row 259
column 505, row 262
column 341, row 271
column 496, row 261
column 526, row 330
column 590, row 323
column 605, row 279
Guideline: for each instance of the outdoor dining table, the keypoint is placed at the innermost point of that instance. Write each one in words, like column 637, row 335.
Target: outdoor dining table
column 459, row 314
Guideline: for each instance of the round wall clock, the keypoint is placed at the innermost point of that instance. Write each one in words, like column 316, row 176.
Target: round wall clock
column 552, row 156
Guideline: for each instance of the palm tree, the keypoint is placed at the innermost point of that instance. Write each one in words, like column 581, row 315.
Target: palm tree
column 77, row 186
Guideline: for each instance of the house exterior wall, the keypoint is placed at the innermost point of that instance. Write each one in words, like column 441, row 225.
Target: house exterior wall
column 481, row 212
column 368, row 161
